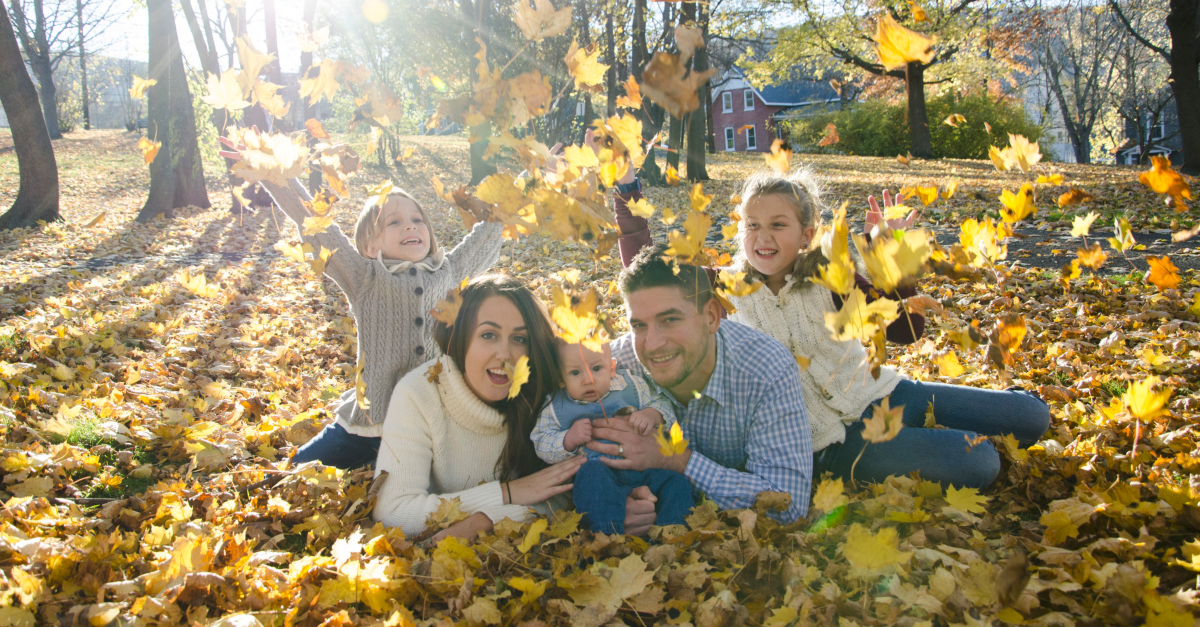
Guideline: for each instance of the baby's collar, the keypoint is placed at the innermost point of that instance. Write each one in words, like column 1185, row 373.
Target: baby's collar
column 431, row 263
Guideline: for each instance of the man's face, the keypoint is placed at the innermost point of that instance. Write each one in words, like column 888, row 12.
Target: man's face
column 671, row 338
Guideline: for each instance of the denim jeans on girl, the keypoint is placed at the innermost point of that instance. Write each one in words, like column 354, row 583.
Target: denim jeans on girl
column 943, row 455
column 334, row 446
column 600, row 494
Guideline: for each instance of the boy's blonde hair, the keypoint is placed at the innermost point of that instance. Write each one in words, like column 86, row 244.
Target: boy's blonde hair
column 368, row 226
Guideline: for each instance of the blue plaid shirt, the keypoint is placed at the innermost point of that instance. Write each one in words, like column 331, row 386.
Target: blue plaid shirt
column 749, row 428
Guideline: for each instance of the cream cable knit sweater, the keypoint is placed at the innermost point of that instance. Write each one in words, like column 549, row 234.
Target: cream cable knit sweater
column 440, row 442
column 391, row 310
column 837, row 384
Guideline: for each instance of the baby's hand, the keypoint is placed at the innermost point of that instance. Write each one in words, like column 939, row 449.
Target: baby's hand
column 579, row 434
column 645, row 421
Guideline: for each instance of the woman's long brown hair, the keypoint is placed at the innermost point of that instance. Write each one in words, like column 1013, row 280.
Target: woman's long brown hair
column 518, row 458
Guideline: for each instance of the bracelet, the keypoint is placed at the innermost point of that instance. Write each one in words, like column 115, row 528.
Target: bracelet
column 508, row 491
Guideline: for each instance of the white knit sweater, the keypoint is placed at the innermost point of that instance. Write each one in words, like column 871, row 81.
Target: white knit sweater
column 440, row 441
column 837, row 383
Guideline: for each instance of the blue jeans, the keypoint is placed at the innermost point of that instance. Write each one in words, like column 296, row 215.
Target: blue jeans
column 942, row 455
column 334, row 446
column 600, row 494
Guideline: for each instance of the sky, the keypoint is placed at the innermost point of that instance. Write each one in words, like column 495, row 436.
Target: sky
column 128, row 37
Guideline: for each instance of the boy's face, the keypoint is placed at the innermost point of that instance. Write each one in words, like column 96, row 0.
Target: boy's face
column 587, row 377
column 403, row 233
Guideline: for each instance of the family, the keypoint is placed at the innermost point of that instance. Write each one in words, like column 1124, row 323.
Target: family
column 765, row 397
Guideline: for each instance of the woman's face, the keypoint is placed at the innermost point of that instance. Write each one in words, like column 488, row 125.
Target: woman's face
column 499, row 337
column 772, row 235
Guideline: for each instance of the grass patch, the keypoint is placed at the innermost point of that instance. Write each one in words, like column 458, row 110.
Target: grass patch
column 1113, row 388
column 1062, row 378
column 1121, row 279
column 130, row 486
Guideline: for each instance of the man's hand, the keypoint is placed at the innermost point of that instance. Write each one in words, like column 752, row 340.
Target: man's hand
column 639, row 511
column 646, row 421
column 634, row 450
column 579, row 434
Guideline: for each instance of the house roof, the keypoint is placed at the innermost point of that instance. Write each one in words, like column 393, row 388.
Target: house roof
column 793, row 92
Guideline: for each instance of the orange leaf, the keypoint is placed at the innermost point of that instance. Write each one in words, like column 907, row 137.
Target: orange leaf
column 1164, row 180
column 1163, row 274
column 898, row 46
column 831, row 136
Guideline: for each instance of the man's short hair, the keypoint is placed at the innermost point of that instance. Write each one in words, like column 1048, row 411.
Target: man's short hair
column 652, row 267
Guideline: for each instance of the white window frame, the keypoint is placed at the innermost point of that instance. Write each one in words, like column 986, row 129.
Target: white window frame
column 752, row 137
column 726, row 102
column 748, row 100
column 730, row 139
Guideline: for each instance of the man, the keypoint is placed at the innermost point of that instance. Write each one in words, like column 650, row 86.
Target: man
column 736, row 393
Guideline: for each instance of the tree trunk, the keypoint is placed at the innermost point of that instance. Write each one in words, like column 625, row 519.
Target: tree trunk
column 1183, row 22
column 176, row 174
column 611, row 54
column 37, row 50
column 87, row 118
column 698, row 119
column 650, row 113
column 310, row 111
column 918, row 117
column 474, row 13
column 675, row 142
column 37, row 196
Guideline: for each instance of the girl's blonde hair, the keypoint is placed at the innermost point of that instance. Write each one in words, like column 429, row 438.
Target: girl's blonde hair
column 369, row 224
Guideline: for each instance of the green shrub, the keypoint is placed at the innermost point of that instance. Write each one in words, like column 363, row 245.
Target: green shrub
column 880, row 129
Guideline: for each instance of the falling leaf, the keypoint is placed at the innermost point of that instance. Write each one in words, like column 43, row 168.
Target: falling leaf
column 316, row 129
column 541, row 20
column 633, row 94
column 676, row 445
column 314, row 225
column 1017, row 206
column 780, row 157
column 859, row 320
column 1124, row 235
column 1164, row 180
column 320, row 80
column 999, row 158
column 904, row 160
column 954, row 119
column 966, row 500
column 884, row 424
column 897, row 46
column 925, row 194
column 1024, row 153
column 96, row 220
column 576, row 317
column 951, row 188
column 830, row 495
column 689, row 244
column 583, row 65
column 319, row 260
column 894, row 261
column 1074, row 196
column 672, row 85
column 446, row 309
column 266, row 94
column 698, row 199
column 140, row 85
column 1091, row 257
column 149, row 149
column 224, row 92
column 987, row 127
column 360, row 388
column 518, row 373
column 640, row 208
column 1053, row 179
column 830, row 138
column 918, row 13
column 871, row 552
column 1163, row 274
column 838, row 273
column 1143, row 403
column 672, row 175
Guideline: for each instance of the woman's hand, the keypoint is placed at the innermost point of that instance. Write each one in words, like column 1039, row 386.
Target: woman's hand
column 875, row 215
column 545, row 483
column 466, row 528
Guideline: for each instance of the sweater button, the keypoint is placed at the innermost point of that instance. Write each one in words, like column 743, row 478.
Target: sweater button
column 418, row 290
column 412, row 272
column 419, row 321
column 420, row 350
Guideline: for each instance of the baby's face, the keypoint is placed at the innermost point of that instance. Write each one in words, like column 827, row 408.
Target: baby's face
column 587, row 375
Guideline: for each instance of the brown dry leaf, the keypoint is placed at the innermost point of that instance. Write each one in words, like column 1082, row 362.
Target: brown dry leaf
column 668, row 82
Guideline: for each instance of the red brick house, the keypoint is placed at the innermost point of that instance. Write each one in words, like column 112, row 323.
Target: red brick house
column 746, row 119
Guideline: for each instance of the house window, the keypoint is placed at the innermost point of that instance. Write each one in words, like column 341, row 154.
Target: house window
column 751, row 140
column 748, row 100
column 726, row 102
column 729, row 145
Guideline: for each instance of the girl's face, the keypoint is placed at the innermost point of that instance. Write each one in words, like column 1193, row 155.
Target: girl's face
column 404, row 234
column 772, row 235
column 499, row 337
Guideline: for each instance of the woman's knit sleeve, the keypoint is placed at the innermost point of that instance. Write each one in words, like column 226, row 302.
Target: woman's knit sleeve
column 477, row 252
column 406, row 454
column 350, row 270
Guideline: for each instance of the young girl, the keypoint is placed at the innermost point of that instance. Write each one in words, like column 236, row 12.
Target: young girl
column 780, row 217
column 393, row 274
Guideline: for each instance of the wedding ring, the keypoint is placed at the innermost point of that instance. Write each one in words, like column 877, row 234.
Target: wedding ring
column 621, row 450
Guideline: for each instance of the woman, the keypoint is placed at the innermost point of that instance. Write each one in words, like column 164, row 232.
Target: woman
column 451, row 429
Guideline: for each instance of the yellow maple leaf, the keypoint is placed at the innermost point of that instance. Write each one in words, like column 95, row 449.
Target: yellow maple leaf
column 1091, row 257
column 360, row 389
column 541, row 20
column 576, row 317
column 1053, row 179
column 1000, row 158
column 319, row 260
column 1142, row 402
column 518, row 373
column 925, row 194
column 858, row 320
column 581, row 157
column 640, row 208
column 224, row 92
column 948, row 365
column 1024, row 153
column 1124, row 236
column 954, row 119
column 197, row 284
column 149, row 149
column 699, row 201
column 951, row 188
column 1082, row 224
column 267, row 95
column 735, row 284
column 1164, row 180
column 252, row 61
column 838, row 274
column 316, row 224
column 872, row 552
column 672, row 175
column 675, row 445
column 780, row 157
column 966, row 500
column 320, row 81
column 633, row 94
column 686, row 246
column 1017, row 206
column 1163, row 274
column 830, row 495
column 140, row 85
column 583, row 64
column 897, row 46
column 892, row 261
column 830, row 138
column 884, row 424
column 919, row 15
column 446, row 309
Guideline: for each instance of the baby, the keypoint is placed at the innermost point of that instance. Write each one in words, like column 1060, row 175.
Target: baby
column 594, row 388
